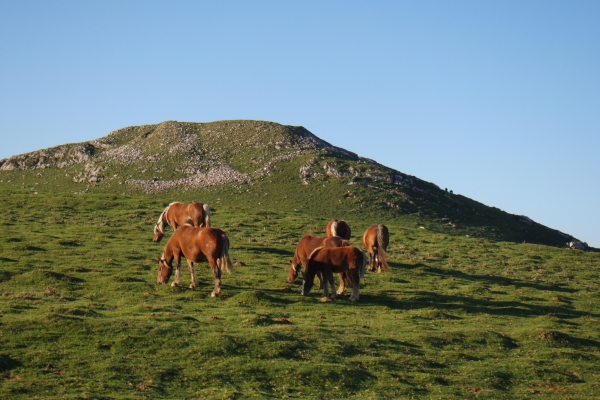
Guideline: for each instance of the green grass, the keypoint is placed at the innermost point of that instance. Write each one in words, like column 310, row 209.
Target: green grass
column 456, row 317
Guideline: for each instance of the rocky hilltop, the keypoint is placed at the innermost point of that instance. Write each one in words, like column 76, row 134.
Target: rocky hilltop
column 242, row 159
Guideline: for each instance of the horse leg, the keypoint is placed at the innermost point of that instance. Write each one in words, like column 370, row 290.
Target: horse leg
column 371, row 260
column 355, row 284
column 322, row 283
column 342, row 287
column 192, row 274
column 217, row 274
column 332, row 283
column 177, row 270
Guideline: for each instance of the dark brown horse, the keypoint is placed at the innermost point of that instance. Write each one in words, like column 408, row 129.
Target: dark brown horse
column 338, row 259
column 376, row 240
column 195, row 244
column 338, row 228
column 177, row 214
column 307, row 244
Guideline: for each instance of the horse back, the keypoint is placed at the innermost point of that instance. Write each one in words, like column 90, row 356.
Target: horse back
column 197, row 244
column 310, row 242
column 340, row 259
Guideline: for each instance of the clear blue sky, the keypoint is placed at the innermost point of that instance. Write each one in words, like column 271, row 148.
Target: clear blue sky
column 496, row 100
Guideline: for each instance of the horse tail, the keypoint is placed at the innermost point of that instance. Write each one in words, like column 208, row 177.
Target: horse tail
column 380, row 250
column 363, row 265
column 206, row 215
column 225, row 260
column 333, row 229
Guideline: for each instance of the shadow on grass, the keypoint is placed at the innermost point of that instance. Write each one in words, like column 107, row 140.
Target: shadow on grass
column 7, row 363
column 423, row 299
column 270, row 250
column 496, row 280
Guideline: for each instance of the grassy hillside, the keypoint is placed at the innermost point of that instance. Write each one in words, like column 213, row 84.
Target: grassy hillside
column 478, row 303
column 457, row 317
column 262, row 164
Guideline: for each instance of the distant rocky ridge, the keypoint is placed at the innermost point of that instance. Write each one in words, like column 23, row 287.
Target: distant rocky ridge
column 180, row 155
column 149, row 144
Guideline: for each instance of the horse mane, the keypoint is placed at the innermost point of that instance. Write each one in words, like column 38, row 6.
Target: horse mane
column 160, row 225
column 334, row 225
column 312, row 253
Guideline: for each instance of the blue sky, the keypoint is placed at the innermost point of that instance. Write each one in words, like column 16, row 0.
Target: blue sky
column 498, row 101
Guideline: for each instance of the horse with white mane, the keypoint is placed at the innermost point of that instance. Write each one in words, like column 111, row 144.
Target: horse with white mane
column 177, row 214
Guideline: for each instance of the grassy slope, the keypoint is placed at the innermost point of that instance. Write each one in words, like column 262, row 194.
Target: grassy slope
column 456, row 317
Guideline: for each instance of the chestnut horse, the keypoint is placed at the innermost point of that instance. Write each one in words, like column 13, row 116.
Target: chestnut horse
column 338, row 259
column 177, row 214
column 338, row 228
column 376, row 240
column 195, row 244
column 307, row 244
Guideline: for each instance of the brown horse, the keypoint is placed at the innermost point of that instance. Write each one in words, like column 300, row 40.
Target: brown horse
column 338, row 228
column 307, row 244
column 177, row 214
column 376, row 240
column 338, row 259
column 195, row 244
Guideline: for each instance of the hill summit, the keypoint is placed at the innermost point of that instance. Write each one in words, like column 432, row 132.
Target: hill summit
column 260, row 164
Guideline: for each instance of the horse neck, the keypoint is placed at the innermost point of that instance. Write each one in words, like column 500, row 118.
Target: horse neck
column 296, row 260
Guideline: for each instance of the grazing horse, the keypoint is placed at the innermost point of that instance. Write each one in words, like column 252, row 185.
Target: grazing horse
column 177, row 214
column 195, row 244
column 307, row 244
column 338, row 228
column 338, row 259
column 376, row 240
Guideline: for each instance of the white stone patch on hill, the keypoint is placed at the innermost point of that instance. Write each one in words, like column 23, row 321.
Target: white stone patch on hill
column 220, row 175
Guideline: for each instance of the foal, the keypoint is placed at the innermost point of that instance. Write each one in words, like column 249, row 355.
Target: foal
column 307, row 244
column 329, row 260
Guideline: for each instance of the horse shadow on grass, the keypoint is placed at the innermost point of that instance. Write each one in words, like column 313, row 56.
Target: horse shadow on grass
column 491, row 279
column 7, row 363
column 270, row 250
column 450, row 303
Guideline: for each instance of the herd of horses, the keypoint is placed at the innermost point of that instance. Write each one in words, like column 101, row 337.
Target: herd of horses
column 195, row 240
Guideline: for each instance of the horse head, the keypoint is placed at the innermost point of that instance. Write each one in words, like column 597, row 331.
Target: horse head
column 164, row 272
column 158, row 233
column 293, row 274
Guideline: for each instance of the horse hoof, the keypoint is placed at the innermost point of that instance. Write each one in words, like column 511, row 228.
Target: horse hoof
column 213, row 294
column 174, row 284
column 192, row 286
column 325, row 300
